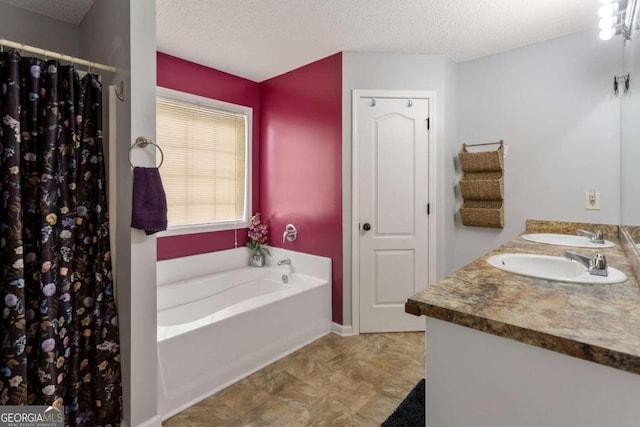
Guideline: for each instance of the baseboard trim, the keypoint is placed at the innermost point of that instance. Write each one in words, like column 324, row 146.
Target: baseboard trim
column 151, row 422
column 342, row 330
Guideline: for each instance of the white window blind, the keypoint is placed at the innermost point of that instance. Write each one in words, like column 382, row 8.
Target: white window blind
column 204, row 173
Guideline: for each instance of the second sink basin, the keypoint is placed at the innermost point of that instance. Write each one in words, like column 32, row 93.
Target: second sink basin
column 552, row 268
column 566, row 240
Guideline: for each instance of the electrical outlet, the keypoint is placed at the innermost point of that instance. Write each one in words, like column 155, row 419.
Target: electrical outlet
column 592, row 200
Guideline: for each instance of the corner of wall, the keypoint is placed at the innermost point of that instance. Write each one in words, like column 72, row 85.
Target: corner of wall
column 189, row 77
column 552, row 104
column 108, row 35
column 301, row 129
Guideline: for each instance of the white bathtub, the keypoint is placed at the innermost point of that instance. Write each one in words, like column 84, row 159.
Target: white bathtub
column 218, row 328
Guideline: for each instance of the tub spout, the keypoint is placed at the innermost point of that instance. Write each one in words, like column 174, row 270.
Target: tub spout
column 286, row 261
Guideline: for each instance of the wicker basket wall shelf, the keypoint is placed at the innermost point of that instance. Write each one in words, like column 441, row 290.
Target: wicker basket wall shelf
column 478, row 213
column 482, row 186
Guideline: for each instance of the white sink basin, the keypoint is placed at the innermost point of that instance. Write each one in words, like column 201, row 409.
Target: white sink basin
column 566, row 240
column 552, row 268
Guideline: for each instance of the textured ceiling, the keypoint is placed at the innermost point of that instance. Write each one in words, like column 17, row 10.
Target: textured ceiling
column 259, row 39
column 70, row 11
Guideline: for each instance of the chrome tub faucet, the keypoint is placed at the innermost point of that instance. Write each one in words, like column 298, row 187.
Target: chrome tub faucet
column 286, row 261
column 290, row 233
column 596, row 266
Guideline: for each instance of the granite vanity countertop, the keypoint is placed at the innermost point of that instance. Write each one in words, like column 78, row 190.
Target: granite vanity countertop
column 598, row 323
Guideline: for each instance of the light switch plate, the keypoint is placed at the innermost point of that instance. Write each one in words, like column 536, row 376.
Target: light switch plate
column 592, row 204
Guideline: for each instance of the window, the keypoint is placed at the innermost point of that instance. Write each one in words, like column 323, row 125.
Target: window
column 206, row 172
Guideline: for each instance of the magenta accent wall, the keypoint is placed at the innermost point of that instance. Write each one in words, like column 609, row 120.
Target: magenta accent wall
column 297, row 156
column 178, row 74
column 301, row 161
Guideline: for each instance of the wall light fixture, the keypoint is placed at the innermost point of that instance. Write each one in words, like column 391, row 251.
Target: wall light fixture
column 617, row 17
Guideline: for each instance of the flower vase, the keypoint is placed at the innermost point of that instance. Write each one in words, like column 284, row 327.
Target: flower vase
column 256, row 260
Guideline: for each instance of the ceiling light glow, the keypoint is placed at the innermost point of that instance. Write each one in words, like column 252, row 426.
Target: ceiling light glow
column 607, row 33
column 607, row 22
column 618, row 17
column 608, row 9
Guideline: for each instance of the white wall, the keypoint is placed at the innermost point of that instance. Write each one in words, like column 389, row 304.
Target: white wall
column 554, row 106
column 23, row 26
column 122, row 33
column 630, row 138
column 143, row 248
column 450, row 177
column 551, row 102
column 397, row 72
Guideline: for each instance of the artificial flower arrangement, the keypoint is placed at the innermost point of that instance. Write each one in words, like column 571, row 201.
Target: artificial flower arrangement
column 258, row 236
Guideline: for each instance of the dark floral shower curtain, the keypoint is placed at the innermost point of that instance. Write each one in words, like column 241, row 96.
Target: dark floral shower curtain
column 59, row 327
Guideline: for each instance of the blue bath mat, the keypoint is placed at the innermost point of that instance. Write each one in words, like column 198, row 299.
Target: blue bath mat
column 411, row 412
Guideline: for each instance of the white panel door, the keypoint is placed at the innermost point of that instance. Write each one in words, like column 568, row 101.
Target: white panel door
column 393, row 141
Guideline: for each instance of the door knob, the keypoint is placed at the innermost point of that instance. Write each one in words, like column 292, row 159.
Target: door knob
column 366, row 226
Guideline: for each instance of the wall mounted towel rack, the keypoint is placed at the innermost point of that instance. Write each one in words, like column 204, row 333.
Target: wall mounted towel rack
column 142, row 142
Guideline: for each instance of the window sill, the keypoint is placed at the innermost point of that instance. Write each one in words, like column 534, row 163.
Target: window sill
column 202, row 228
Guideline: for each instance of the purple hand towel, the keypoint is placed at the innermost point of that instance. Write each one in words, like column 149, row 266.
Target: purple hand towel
column 149, row 212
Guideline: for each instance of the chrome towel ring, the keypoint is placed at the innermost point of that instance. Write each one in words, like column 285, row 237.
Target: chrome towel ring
column 142, row 142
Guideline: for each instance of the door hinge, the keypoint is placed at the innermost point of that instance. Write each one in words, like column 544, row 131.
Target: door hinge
column 428, row 123
column 428, row 208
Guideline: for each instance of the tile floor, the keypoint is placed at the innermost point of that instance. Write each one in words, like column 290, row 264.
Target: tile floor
column 334, row 381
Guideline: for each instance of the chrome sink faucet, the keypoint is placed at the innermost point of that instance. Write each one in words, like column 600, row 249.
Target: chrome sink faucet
column 286, row 261
column 596, row 266
column 594, row 237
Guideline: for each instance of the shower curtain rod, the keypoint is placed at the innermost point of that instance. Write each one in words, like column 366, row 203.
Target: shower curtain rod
column 50, row 54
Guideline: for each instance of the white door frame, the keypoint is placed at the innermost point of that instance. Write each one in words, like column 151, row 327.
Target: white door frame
column 355, row 189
